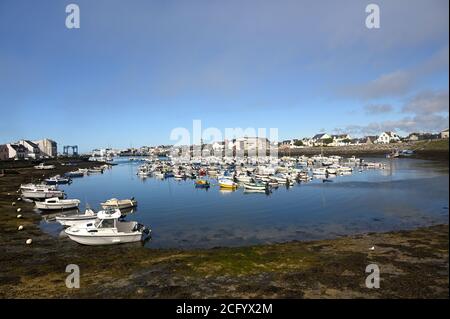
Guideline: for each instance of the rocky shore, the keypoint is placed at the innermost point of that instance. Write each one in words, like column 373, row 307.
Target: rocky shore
column 413, row 263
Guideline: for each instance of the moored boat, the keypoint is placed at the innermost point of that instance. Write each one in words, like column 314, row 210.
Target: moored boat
column 55, row 203
column 42, row 166
column 42, row 193
column 119, row 203
column 77, row 219
column 227, row 183
column 107, row 230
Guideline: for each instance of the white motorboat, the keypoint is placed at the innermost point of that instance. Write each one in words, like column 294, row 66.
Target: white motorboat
column 319, row 171
column 77, row 219
column 42, row 166
column 95, row 170
column 56, row 203
column 107, row 230
column 119, row 203
column 227, row 183
column 244, row 178
column 31, row 186
column 159, row 175
column 57, row 179
column 78, row 173
column 256, row 186
column 42, row 193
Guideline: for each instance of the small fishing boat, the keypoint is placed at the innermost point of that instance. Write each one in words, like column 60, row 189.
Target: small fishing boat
column 56, row 203
column 243, row 178
column 256, row 186
column 42, row 193
column 107, row 229
column 320, row 171
column 74, row 174
column 42, row 166
column 95, row 170
column 31, row 186
column 57, row 180
column 77, row 219
column 227, row 183
column 201, row 183
column 159, row 175
column 119, row 203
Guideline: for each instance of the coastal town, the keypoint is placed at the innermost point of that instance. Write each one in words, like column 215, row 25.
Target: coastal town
column 47, row 148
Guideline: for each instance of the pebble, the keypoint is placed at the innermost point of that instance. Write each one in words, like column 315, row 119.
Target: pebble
column 20, row 198
column 20, row 227
column 19, row 210
column 29, row 241
column 19, row 216
column 14, row 203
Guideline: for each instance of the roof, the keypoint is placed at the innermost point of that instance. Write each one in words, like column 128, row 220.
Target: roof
column 18, row 147
column 318, row 136
column 31, row 143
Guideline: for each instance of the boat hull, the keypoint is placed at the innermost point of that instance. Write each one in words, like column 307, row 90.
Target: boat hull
column 92, row 240
column 75, row 221
column 56, row 206
column 41, row 195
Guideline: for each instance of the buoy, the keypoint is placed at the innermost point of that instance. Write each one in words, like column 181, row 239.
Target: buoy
column 20, row 227
column 19, row 216
column 19, row 210
column 14, row 203
column 29, row 241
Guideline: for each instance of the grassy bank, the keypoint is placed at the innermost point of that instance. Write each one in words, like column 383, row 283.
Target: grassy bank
column 413, row 264
column 434, row 149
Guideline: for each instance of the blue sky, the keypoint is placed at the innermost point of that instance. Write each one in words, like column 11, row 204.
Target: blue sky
column 137, row 69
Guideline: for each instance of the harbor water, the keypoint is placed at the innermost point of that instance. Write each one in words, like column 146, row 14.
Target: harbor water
column 406, row 194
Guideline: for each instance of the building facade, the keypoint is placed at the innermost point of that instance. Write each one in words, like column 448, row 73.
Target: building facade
column 47, row 147
column 4, row 154
column 16, row 151
column 387, row 137
column 33, row 150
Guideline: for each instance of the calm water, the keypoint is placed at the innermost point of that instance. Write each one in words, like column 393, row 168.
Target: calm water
column 407, row 194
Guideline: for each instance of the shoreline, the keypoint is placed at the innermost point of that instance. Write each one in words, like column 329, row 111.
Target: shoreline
column 438, row 150
column 332, row 268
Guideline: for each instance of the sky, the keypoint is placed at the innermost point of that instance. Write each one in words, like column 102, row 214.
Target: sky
column 136, row 70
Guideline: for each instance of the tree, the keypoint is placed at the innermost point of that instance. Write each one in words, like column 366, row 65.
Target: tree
column 327, row 141
column 298, row 143
column 346, row 141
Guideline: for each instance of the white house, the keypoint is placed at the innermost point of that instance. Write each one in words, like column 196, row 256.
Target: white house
column 308, row 142
column 444, row 134
column 340, row 140
column 17, row 151
column 387, row 137
column 33, row 150
column 318, row 139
